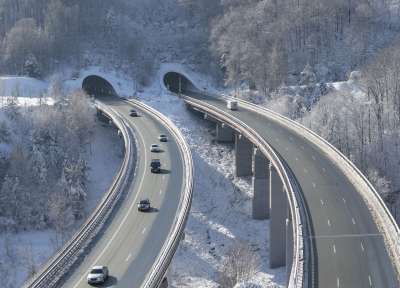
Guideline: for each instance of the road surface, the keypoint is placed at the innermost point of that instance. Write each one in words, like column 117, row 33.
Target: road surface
column 133, row 240
column 350, row 251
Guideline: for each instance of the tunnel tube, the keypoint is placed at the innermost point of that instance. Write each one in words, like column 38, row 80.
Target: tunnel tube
column 98, row 86
column 178, row 83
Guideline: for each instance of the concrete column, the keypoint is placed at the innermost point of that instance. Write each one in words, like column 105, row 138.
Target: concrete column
column 225, row 133
column 243, row 156
column 278, row 215
column 289, row 246
column 260, row 186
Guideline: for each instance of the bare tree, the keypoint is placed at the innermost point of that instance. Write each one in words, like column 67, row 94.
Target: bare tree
column 240, row 264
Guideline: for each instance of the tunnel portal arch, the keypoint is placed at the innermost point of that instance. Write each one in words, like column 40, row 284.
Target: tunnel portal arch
column 98, row 86
column 178, row 83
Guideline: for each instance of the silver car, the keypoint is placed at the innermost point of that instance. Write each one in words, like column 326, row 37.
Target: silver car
column 155, row 148
column 97, row 275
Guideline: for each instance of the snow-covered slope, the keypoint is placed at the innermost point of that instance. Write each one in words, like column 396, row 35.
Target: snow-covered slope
column 23, row 253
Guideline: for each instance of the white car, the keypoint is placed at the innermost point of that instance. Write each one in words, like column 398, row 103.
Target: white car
column 155, row 148
column 232, row 105
column 97, row 275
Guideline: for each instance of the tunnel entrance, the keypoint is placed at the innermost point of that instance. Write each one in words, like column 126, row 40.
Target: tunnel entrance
column 98, row 86
column 177, row 83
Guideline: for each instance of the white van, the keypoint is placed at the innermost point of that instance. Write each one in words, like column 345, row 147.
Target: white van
column 232, row 105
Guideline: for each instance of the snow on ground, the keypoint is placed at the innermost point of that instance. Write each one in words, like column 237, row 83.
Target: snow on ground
column 24, row 252
column 104, row 159
column 22, row 86
column 23, row 91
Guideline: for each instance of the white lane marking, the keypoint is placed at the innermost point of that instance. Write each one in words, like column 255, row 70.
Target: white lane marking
column 322, row 202
column 370, row 280
column 314, row 185
column 160, row 192
column 144, row 230
column 354, row 221
column 362, row 247
column 338, row 282
column 345, row 236
column 122, row 222
column 329, row 223
column 129, row 257
column 297, row 159
column 344, row 200
column 334, row 248
column 163, row 177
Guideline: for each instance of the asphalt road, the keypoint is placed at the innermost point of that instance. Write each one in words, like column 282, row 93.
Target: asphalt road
column 133, row 240
column 350, row 250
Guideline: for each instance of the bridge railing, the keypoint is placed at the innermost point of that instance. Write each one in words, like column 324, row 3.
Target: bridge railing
column 302, row 258
column 160, row 267
column 384, row 219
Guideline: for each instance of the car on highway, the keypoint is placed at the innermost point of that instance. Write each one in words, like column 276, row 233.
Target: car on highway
column 97, row 275
column 232, row 105
column 144, row 205
column 155, row 166
column 133, row 113
column 163, row 138
column 155, row 148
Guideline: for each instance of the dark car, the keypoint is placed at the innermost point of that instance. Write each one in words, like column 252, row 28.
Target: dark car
column 155, row 166
column 144, row 205
column 133, row 113
column 163, row 138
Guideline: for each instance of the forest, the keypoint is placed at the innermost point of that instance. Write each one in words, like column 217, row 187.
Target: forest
column 265, row 46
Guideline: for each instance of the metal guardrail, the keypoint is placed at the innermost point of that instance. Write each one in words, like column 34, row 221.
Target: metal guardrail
column 156, row 275
column 299, row 275
column 385, row 221
column 56, row 268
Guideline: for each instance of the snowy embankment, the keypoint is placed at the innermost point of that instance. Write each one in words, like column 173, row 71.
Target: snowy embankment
column 22, row 253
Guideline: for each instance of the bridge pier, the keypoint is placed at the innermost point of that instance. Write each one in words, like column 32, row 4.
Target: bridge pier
column 278, row 215
column 261, row 189
column 243, row 156
column 225, row 133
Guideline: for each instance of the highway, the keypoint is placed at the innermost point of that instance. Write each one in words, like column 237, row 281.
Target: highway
column 349, row 249
column 133, row 240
